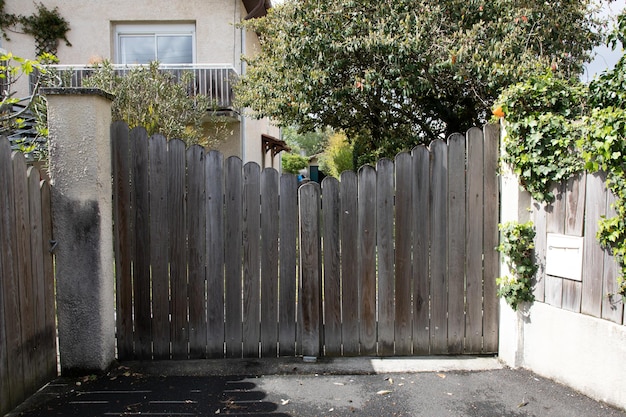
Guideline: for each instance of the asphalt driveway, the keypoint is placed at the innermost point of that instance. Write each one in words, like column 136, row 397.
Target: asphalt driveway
column 291, row 387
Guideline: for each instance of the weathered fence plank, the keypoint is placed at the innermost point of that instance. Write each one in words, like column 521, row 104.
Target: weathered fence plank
column 540, row 219
column 349, row 269
column 37, row 277
column 439, row 248
column 612, row 304
column 178, row 248
column 456, row 241
column 332, row 267
column 554, row 291
column 251, row 233
column 5, row 392
column 27, row 319
column 421, row 258
column 555, row 223
column 49, row 329
column 196, row 251
column 475, row 242
column 122, row 223
column 572, row 294
column 593, row 256
column 491, row 260
column 385, row 190
column 574, row 191
column 579, row 204
column 575, row 205
column 366, row 261
column 403, row 250
column 233, row 256
column 288, row 229
column 310, row 267
column 405, row 270
column 159, row 247
column 556, row 210
column 214, row 174
column 141, row 243
column 10, row 283
column 269, row 262
column 24, row 271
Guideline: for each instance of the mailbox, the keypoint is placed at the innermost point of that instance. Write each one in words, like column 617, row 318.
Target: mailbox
column 564, row 257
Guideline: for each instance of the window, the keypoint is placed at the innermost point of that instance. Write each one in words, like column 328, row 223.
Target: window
column 166, row 43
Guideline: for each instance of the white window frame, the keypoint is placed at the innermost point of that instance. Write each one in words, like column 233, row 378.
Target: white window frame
column 129, row 29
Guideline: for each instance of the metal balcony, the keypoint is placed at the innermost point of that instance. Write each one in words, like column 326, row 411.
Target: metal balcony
column 213, row 80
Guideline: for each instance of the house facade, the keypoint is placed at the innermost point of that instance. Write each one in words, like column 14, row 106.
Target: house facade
column 196, row 35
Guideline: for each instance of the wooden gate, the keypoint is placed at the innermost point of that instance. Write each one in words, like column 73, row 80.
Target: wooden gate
column 219, row 259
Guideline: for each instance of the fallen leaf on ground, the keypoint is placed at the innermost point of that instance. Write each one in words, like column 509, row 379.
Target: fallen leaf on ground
column 442, row 376
column 384, row 392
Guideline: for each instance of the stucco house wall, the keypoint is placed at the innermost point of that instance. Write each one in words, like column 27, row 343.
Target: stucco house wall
column 217, row 41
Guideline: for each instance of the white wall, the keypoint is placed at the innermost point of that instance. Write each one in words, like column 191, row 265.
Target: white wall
column 583, row 352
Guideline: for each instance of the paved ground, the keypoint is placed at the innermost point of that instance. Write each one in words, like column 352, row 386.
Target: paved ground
column 478, row 387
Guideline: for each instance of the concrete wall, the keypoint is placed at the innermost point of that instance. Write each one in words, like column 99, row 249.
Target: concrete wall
column 583, row 352
column 80, row 170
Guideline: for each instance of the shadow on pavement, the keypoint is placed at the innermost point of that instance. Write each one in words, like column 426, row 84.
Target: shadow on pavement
column 125, row 393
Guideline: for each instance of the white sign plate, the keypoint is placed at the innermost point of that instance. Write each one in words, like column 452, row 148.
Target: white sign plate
column 564, row 257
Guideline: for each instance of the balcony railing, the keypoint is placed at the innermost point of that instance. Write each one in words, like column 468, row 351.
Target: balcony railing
column 214, row 81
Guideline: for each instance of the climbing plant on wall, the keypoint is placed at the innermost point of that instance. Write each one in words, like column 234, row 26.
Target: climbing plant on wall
column 543, row 117
column 46, row 26
column 556, row 127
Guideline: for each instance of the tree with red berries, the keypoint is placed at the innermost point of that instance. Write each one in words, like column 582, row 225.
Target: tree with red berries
column 395, row 73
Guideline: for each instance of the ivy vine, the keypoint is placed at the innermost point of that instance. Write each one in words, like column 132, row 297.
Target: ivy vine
column 542, row 127
column 557, row 127
column 47, row 26
column 604, row 148
column 517, row 246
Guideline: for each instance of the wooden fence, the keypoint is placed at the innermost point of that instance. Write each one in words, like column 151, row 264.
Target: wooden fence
column 394, row 260
column 579, row 205
column 27, row 322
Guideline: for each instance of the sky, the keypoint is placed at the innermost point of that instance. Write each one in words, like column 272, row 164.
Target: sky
column 605, row 58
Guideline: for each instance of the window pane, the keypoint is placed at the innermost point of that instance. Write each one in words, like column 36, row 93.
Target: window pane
column 137, row 49
column 174, row 49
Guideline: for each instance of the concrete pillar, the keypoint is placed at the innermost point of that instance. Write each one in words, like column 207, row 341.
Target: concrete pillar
column 515, row 206
column 79, row 121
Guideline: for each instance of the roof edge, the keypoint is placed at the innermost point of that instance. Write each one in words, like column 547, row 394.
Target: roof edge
column 256, row 8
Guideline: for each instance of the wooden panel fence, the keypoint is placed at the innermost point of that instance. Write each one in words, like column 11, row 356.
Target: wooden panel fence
column 579, row 204
column 27, row 315
column 216, row 258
